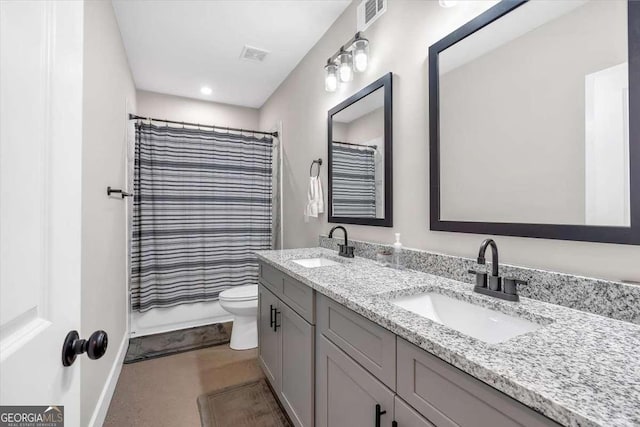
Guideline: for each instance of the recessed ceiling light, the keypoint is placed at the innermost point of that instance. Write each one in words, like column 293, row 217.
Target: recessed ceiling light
column 206, row 90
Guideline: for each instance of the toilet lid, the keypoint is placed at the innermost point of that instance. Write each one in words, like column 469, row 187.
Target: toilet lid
column 240, row 293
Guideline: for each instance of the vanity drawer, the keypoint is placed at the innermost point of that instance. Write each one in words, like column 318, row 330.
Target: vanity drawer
column 449, row 397
column 299, row 297
column 271, row 278
column 370, row 345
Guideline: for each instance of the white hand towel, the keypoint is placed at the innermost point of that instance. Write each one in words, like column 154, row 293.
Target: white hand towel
column 315, row 199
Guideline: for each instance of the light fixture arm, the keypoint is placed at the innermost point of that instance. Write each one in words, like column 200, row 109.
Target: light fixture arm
column 345, row 47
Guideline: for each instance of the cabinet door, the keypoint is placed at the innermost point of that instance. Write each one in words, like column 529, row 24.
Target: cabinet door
column 297, row 387
column 346, row 394
column 269, row 346
column 406, row 416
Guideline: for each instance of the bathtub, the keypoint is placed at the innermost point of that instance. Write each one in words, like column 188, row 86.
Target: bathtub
column 183, row 316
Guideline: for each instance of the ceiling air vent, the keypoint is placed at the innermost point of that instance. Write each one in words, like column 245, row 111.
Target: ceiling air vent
column 251, row 53
column 369, row 11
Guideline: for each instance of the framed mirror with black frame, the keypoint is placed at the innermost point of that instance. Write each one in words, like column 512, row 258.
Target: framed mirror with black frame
column 360, row 156
column 532, row 130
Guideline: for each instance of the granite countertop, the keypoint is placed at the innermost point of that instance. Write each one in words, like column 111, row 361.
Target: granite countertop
column 579, row 369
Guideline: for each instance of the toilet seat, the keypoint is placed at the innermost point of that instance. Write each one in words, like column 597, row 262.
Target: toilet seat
column 240, row 293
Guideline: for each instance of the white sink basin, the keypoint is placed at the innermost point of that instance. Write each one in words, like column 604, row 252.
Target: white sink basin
column 315, row 262
column 478, row 322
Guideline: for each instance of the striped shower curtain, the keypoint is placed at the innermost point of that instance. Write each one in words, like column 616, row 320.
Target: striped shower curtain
column 354, row 180
column 202, row 204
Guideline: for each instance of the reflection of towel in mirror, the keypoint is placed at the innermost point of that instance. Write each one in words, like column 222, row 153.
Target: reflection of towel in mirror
column 315, row 199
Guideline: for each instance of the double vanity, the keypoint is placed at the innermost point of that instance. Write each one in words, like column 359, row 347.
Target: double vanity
column 347, row 342
column 529, row 136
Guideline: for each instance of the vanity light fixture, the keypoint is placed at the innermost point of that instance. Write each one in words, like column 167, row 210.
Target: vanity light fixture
column 331, row 77
column 351, row 57
column 205, row 90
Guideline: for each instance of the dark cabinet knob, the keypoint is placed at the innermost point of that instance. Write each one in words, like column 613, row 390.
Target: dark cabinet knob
column 95, row 346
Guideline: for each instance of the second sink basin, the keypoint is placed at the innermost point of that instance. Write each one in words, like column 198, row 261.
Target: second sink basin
column 478, row 322
column 315, row 262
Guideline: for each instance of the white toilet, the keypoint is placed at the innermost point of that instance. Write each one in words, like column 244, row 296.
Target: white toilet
column 242, row 302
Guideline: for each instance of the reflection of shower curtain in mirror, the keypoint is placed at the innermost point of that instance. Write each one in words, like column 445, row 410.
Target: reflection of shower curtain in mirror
column 353, row 180
column 202, row 206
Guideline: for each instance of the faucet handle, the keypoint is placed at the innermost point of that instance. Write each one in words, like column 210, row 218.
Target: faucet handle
column 510, row 285
column 346, row 251
column 481, row 278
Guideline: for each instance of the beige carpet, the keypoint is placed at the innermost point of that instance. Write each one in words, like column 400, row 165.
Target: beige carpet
column 246, row 405
column 163, row 392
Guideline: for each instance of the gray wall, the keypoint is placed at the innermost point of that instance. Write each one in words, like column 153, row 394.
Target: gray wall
column 399, row 42
column 107, row 89
column 539, row 100
column 361, row 130
column 366, row 128
column 170, row 107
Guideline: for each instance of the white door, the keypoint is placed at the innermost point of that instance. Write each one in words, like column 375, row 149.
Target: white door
column 40, row 201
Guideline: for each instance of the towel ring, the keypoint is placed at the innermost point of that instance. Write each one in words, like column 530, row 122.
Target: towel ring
column 315, row 162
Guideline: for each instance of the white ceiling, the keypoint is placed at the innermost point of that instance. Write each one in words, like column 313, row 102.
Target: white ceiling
column 178, row 46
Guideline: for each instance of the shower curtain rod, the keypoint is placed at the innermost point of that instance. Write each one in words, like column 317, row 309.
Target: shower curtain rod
column 151, row 119
column 375, row 147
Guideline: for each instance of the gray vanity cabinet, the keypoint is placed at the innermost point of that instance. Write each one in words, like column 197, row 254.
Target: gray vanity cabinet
column 286, row 342
column 351, row 372
column 269, row 347
column 297, row 380
column 347, row 394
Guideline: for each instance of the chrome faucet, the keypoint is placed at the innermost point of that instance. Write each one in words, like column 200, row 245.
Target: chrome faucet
column 495, row 287
column 345, row 250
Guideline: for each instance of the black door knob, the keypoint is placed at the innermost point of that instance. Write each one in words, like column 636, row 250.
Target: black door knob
column 95, row 346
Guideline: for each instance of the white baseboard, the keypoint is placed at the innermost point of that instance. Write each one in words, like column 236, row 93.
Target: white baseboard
column 100, row 412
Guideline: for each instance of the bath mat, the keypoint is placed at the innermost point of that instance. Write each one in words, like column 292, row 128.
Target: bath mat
column 250, row 404
column 168, row 343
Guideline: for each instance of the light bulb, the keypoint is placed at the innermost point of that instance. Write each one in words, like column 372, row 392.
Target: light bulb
column 346, row 73
column 206, row 90
column 360, row 61
column 345, row 69
column 360, row 54
column 331, row 77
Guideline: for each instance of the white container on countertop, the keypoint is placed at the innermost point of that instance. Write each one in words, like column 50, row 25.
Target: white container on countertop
column 397, row 252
